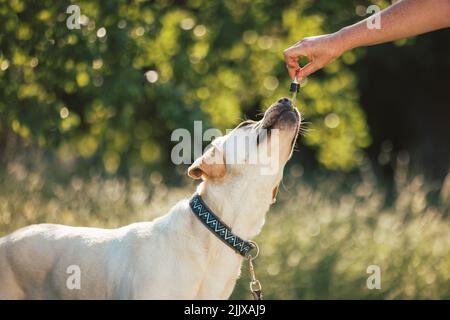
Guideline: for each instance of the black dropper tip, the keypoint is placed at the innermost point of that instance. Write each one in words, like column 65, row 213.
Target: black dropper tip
column 295, row 87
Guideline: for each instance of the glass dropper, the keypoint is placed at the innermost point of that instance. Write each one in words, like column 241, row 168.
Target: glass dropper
column 295, row 87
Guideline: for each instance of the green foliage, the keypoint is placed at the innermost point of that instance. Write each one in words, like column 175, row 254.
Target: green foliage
column 112, row 92
column 88, row 92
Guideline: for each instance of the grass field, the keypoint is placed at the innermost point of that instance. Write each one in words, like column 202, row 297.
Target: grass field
column 318, row 239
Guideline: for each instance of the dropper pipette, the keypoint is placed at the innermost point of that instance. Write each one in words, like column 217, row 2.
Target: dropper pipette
column 294, row 88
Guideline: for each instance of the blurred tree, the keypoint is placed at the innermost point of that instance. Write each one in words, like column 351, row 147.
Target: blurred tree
column 113, row 90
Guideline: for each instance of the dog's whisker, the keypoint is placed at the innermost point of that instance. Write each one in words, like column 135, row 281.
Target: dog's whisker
column 286, row 188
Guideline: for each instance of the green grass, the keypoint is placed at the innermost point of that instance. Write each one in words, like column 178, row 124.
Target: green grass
column 318, row 239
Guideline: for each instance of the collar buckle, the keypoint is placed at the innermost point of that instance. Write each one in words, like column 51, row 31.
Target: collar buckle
column 255, row 285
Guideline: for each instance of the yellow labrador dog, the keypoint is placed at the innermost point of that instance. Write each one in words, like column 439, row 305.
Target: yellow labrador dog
column 175, row 256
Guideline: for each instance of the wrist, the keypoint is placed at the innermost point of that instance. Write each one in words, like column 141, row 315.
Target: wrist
column 343, row 40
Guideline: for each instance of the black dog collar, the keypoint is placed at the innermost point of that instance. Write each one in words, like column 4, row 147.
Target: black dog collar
column 218, row 228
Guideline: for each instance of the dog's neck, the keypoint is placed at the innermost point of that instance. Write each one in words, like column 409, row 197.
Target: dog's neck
column 243, row 212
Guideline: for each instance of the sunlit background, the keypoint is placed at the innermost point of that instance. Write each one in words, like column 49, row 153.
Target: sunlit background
column 86, row 117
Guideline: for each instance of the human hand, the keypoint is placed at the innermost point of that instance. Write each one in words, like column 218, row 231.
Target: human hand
column 319, row 50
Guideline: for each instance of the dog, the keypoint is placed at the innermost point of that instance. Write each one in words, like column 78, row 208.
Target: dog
column 173, row 257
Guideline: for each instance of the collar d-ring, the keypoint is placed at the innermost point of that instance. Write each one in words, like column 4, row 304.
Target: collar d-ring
column 255, row 246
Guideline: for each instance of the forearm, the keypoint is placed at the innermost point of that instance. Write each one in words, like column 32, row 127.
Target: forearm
column 404, row 19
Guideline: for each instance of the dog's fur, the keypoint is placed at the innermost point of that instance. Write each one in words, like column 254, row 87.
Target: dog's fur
column 173, row 257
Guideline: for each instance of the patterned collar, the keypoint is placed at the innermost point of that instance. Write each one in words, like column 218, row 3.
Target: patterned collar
column 217, row 227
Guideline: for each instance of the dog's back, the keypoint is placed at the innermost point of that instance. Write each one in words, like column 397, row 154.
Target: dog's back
column 35, row 261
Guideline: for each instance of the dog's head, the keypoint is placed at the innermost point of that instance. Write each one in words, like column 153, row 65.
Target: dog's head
column 252, row 156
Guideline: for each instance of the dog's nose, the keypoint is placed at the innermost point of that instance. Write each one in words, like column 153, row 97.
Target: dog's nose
column 285, row 101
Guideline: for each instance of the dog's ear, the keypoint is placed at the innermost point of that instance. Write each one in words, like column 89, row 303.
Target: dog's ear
column 210, row 165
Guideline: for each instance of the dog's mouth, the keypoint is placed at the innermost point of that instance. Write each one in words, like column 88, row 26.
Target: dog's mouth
column 282, row 116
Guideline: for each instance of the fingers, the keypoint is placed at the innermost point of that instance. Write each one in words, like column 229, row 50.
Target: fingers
column 291, row 57
column 319, row 50
column 293, row 70
column 292, row 66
